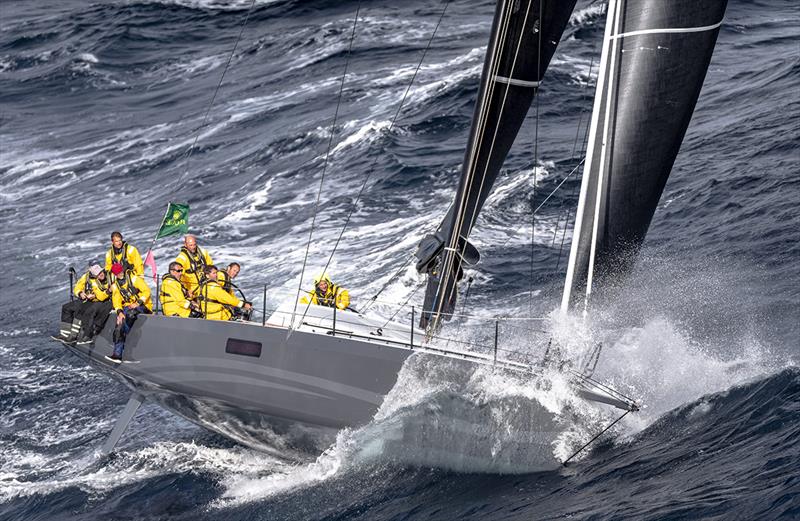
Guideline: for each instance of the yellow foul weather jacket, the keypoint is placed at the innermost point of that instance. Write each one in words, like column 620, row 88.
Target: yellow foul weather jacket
column 89, row 285
column 131, row 289
column 129, row 258
column 215, row 302
column 222, row 278
column 174, row 298
column 193, row 264
column 335, row 294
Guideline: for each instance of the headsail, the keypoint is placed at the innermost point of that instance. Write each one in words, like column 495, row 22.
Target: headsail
column 524, row 37
column 654, row 61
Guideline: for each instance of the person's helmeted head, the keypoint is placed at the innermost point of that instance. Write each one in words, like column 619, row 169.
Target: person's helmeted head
column 322, row 282
column 190, row 242
column 95, row 270
column 233, row 269
column 210, row 272
column 117, row 270
column 116, row 240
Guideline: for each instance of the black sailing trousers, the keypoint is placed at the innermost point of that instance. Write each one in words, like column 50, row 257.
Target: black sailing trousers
column 93, row 315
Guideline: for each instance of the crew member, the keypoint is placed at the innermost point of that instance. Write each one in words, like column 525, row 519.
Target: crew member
column 83, row 319
column 125, row 254
column 174, row 297
column 130, row 297
column 225, row 277
column 326, row 293
column 215, row 302
column 194, row 259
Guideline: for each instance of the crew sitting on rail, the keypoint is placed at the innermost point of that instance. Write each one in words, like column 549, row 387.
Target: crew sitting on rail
column 174, row 297
column 83, row 319
column 125, row 254
column 131, row 298
column 326, row 293
column 194, row 260
column 215, row 302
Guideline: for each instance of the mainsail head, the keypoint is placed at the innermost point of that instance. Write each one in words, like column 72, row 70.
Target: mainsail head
column 524, row 37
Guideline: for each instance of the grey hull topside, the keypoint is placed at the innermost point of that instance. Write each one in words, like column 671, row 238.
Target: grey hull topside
column 300, row 384
column 316, row 379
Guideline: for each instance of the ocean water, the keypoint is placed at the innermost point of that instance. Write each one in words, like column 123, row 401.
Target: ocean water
column 100, row 103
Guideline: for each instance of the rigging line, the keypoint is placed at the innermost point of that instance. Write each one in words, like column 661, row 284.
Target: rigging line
column 574, row 147
column 575, row 188
column 575, row 169
column 497, row 48
column 459, row 220
column 404, row 304
column 375, row 161
column 214, row 97
column 535, row 157
column 325, row 164
column 386, row 285
column 590, row 441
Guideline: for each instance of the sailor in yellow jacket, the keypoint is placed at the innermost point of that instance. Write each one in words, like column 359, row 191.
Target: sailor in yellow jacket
column 125, row 254
column 130, row 298
column 326, row 293
column 215, row 302
column 83, row 318
column 174, row 297
column 193, row 259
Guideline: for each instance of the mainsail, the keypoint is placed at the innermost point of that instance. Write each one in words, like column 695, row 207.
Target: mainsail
column 654, row 60
column 524, row 37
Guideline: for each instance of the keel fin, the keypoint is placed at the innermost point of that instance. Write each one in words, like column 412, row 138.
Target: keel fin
column 124, row 419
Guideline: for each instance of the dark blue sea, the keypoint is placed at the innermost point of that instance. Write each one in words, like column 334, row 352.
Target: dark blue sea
column 101, row 101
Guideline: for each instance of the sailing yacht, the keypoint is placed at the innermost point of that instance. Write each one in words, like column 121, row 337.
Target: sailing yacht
column 314, row 371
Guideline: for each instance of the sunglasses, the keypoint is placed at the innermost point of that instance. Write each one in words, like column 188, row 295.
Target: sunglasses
column 177, row 271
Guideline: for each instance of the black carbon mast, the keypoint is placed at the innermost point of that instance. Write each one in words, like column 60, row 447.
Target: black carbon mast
column 524, row 37
column 655, row 57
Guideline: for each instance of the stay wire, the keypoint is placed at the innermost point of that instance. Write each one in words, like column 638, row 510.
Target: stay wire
column 325, row 163
column 213, row 98
column 598, row 435
column 535, row 157
column 375, row 161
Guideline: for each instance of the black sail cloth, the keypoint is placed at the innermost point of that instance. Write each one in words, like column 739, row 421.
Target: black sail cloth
column 524, row 37
column 658, row 56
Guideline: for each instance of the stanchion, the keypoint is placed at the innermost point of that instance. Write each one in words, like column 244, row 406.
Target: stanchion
column 264, row 307
column 333, row 333
column 71, row 294
column 496, row 328
column 412, row 327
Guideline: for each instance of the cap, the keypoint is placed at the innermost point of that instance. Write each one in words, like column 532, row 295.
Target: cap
column 95, row 270
column 116, row 269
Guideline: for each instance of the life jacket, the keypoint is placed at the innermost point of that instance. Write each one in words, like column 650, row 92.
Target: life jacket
column 103, row 286
column 172, row 277
column 329, row 298
column 124, row 260
column 205, row 300
column 197, row 263
column 129, row 292
column 227, row 284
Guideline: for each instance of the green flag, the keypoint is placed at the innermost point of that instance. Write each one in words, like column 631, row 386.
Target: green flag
column 175, row 221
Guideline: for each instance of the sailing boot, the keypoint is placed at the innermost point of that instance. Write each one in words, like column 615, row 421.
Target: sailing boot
column 64, row 331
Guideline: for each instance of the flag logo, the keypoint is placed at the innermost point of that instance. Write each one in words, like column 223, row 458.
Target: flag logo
column 176, row 220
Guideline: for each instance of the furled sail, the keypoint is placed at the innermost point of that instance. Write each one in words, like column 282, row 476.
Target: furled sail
column 524, row 37
column 654, row 60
